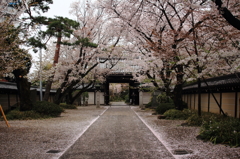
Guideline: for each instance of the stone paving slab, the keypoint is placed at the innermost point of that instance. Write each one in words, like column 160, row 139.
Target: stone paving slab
column 117, row 134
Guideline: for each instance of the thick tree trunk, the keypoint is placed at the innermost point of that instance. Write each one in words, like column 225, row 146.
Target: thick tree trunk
column 23, row 91
column 177, row 94
column 69, row 98
column 60, row 95
column 165, row 75
column 76, row 96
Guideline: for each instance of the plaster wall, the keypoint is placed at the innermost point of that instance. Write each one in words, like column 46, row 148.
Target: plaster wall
column 208, row 103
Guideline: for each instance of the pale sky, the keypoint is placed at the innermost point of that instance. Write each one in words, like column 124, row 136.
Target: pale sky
column 56, row 9
column 60, row 8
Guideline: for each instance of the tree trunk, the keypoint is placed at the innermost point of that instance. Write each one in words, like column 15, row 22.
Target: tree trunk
column 60, row 95
column 199, row 97
column 230, row 18
column 69, row 98
column 47, row 90
column 84, row 89
column 76, row 96
column 23, row 91
column 55, row 61
column 177, row 94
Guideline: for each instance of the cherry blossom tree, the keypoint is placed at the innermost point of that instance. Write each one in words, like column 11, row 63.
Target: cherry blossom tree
column 164, row 29
column 161, row 24
column 210, row 50
column 95, row 42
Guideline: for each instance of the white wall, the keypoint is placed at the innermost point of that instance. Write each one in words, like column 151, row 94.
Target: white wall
column 91, row 98
column 146, row 97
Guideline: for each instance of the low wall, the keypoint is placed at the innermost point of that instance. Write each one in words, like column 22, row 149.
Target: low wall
column 229, row 102
column 147, row 97
column 7, row 100
column 91, row 98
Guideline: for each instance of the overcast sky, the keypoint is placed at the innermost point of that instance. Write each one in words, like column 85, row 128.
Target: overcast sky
column 56, row 9
column 60, row 8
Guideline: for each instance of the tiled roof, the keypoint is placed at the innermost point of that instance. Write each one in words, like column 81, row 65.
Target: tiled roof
column 222, row 81
column 8, row 85
column 13, row 86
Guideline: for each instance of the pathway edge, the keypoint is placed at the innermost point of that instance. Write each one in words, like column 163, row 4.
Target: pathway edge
column 154, row 132
column 91, row 123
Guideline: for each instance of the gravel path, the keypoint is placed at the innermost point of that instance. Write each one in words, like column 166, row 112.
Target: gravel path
column 128, row 138
column 32, row 139
column 177, row 137
column 118, row 134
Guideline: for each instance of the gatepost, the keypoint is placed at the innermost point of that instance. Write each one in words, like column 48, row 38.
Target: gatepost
column 141, row 99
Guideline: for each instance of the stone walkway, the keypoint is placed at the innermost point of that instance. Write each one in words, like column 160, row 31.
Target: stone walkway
column 118, row 134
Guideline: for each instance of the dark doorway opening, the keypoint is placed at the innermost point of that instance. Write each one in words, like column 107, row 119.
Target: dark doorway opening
column 127, row 83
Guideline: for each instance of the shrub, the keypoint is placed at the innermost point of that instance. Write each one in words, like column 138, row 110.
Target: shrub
column 184, row 105
column 214, row 127
column 195, row 120
column 163, row 98
column 163, row 107
column 68, row 106
column 224, row 131
column 126, row 98
column 148, row 105
column 22, row 115
column 40, row 110
column 47, row 108
column 175, row 114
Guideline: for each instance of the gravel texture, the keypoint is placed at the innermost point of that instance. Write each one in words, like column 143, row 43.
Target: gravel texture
column 118, row 134
column 175, row 137
column 34, row 138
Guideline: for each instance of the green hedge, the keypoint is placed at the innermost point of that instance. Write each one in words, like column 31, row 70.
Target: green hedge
column 176, row 114
column 163, row 107
column 148, row 105
column 19, row 115
column 40, row 110
column 47, row 108
column 215, row 128
column 68, row 106
column 224, row 130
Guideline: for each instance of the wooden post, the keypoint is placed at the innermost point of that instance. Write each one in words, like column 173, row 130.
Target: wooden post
column 1, row 109
column 141, row 99
column 236, row 104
